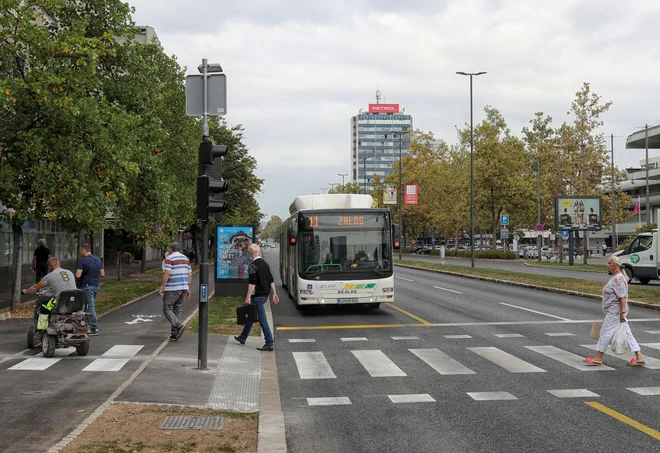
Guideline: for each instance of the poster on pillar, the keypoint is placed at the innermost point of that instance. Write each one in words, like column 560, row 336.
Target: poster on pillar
column 232, row 257
column 389, row 195
column 411, row 194
column 578, row 213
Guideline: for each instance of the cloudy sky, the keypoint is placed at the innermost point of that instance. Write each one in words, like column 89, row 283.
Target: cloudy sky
column 298, row 70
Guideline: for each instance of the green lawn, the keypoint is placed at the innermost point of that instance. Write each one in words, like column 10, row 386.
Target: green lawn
column 114, row 294
column 222, row 317
column 639, row 293
column 576, row 267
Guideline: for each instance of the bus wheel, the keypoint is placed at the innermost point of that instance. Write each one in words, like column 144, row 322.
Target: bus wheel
column 375, row 305
column 644, row 281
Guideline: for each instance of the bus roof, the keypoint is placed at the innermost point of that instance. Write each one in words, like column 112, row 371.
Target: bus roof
column 331, row 201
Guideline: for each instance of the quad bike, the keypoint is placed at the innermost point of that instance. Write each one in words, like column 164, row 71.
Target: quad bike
column 68, row 325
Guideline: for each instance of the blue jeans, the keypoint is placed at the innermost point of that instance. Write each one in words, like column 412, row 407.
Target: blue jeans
column 260, row 302
column 90, row 293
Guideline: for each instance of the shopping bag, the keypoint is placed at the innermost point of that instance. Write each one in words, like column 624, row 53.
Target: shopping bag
column 246, row 314
column 595, row 330
column 620, row 341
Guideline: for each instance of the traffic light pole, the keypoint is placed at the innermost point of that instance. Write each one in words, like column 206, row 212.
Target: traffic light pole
column 203, row 334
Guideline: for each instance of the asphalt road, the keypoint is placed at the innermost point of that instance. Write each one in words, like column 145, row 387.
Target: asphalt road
column 418, row 385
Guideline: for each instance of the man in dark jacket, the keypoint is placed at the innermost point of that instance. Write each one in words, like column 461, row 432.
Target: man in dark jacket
column 89, row 270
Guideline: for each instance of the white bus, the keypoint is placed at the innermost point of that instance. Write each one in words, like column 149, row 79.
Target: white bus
column 337, row 249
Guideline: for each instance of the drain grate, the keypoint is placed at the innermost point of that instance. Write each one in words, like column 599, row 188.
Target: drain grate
column 183, row 422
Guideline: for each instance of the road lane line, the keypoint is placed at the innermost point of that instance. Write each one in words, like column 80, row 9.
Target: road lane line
column 412, row 398
column 302, row 340
column 625, row 419
column 509, row 335
column 534, row 311
column 573, row 393
column 329, row 401
column 567, row 358
column 507, row 361
column 355, row 326
column 377, row 363
column 405, row 338
column 652, row 331
column 560, row 334
column 313, row 365
column 457, row 337
column 447, row 289
column 406, row 279
column 651, row 363
column 35, row 364
column 441, row 362
column 645, row 391
column 407, row 313
column 354, row 339
column 491, row 396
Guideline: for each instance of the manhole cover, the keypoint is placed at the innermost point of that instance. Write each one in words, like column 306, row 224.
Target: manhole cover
column 183, row 422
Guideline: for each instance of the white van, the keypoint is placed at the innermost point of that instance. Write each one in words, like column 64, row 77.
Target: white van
column 641, row 259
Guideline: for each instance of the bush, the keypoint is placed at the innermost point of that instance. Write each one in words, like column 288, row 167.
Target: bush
column 482, row 254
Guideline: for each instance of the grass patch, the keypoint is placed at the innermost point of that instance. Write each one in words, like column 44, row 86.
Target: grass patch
column 601, row 268
column 114, row 294
column 635, row 292
column 222, row 317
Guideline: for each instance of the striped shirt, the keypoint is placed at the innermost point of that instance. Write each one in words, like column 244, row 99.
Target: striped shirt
column 179, row 267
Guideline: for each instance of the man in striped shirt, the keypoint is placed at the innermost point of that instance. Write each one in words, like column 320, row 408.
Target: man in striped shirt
column 175, row 286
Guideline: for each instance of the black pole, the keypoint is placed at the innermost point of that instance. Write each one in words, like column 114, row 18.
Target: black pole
column 472, row 179
column 203, row 304
column 400, row 198
column 571, row 248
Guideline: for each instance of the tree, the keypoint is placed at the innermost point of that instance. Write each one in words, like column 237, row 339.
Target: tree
column 272, row 230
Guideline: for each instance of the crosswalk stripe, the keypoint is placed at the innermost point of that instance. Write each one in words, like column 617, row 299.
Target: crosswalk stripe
column 405, row 338
column 506, row 360
column 313, row 365
column 354, row 339
column 567, row 358
column 573, row 393
column 651, row 345
column 329, row 401
column 560, row 334
column 123, row 350
column 651, row 363
column 106, row 365
column 441, row 362
column 302, row 340
column 491, row 396
column 509, row 335
column 413, row 398
column 646, row 391
column 35, row 364
column 378, row 364
column 456, row 337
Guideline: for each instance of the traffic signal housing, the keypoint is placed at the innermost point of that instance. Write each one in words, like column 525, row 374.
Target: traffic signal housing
column 208, row 187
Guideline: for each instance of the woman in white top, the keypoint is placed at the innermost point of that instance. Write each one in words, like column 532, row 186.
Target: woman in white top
column 615, row 296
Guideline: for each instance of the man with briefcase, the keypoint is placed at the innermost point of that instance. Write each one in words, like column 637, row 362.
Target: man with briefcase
column 261, row 283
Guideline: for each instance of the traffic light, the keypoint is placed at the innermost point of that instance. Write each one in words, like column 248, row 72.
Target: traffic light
column 207, row 186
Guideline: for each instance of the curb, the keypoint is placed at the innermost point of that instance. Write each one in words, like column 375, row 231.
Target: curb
column 633, row 303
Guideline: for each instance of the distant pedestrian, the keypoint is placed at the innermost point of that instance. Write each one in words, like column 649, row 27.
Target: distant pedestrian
column 262, row 284
column 604, row 248
column 89, row 272
column 614, row 298
column 175, row 287
column 40, row 259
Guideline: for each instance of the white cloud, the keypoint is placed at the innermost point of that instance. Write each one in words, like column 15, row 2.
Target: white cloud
column 297, row 70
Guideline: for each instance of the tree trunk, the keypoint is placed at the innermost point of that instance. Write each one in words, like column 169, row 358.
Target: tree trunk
column 195, row 243
column 17, row 229
column 119, row 266
column 143, row 261
column 81, row 239
column 585, row 241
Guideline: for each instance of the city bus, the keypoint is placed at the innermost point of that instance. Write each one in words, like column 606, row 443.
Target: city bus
column 337, row 249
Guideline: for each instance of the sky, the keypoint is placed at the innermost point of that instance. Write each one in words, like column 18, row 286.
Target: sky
column 297, row 70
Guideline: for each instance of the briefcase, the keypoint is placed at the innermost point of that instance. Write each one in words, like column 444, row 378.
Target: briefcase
column 246, row 314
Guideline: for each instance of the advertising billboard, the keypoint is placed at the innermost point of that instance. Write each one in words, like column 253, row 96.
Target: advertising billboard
column 389, row 195
column 578, row 213
column 232, row 257
column 383, row 108
column 412, row 194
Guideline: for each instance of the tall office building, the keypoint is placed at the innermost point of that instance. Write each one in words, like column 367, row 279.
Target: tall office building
column 375, row 141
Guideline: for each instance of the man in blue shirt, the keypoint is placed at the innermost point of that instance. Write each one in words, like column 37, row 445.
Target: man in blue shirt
column 89, row 270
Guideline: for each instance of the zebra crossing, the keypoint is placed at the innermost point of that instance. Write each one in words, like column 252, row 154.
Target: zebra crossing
column 114, row 359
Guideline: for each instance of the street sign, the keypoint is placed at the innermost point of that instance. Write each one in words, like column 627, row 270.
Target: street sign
column 539, row 227
column 504, row 233
column 216, row 95
column 564, row 234
column 505, row 220
column 433, row 241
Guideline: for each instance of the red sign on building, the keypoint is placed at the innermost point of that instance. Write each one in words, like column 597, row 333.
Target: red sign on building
column 411, row 194
column 383, row 108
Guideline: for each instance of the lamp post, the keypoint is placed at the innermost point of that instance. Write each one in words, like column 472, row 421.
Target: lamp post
column 343, row 186
column 614, row 238
column 646, row 164
column 364, row 172
column 324, row 190
column 332, row 185
column 559, row 232
column 471, row 74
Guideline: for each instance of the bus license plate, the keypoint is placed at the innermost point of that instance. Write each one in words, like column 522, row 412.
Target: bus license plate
column 351, row 300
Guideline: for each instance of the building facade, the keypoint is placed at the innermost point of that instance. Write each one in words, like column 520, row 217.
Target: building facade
column 376, row 136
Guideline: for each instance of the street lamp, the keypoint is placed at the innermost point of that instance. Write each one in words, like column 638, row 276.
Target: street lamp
column 614, row 238
column 364, row 172
column 333, row 184
column 471, row 74
column 324, row 189
column 343, row 175
column 539, row 238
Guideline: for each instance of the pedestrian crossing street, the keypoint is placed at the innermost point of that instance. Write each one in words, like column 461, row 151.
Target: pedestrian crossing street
column 114, row 359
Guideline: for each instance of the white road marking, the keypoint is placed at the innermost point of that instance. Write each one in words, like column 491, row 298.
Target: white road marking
column 123, row 350
column 61, row 352
column 329, row 401
column 405, row 338
column 534, row 311
column 509, row 335
column 378, row 364
column 313, row 365
column 106, row 365
column 646, row 391
column 354, row 339
column 652, row 331
column 567, row 358
column 573, row 393
column 651, row 363
column 406, row 279
column 447, row 289
column 441, row 362
column 651, row 345
column 138, row 320
column 560, row 334
column 35, row 364
column 456, row 337
column 413, row 398
column 302, row 340
column 530, row 323
column 506, row 360
column 491, row 396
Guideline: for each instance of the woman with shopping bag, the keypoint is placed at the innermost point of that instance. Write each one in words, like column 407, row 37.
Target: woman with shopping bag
column 614, row 297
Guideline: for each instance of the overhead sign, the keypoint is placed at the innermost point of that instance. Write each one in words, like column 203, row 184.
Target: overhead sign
column 412, row 194
column 389, row 195
column 505, row 220
column 216, row 95
column 578, row 213
column 383, row 108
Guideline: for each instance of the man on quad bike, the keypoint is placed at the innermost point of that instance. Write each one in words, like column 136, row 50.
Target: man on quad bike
column 56, row 281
